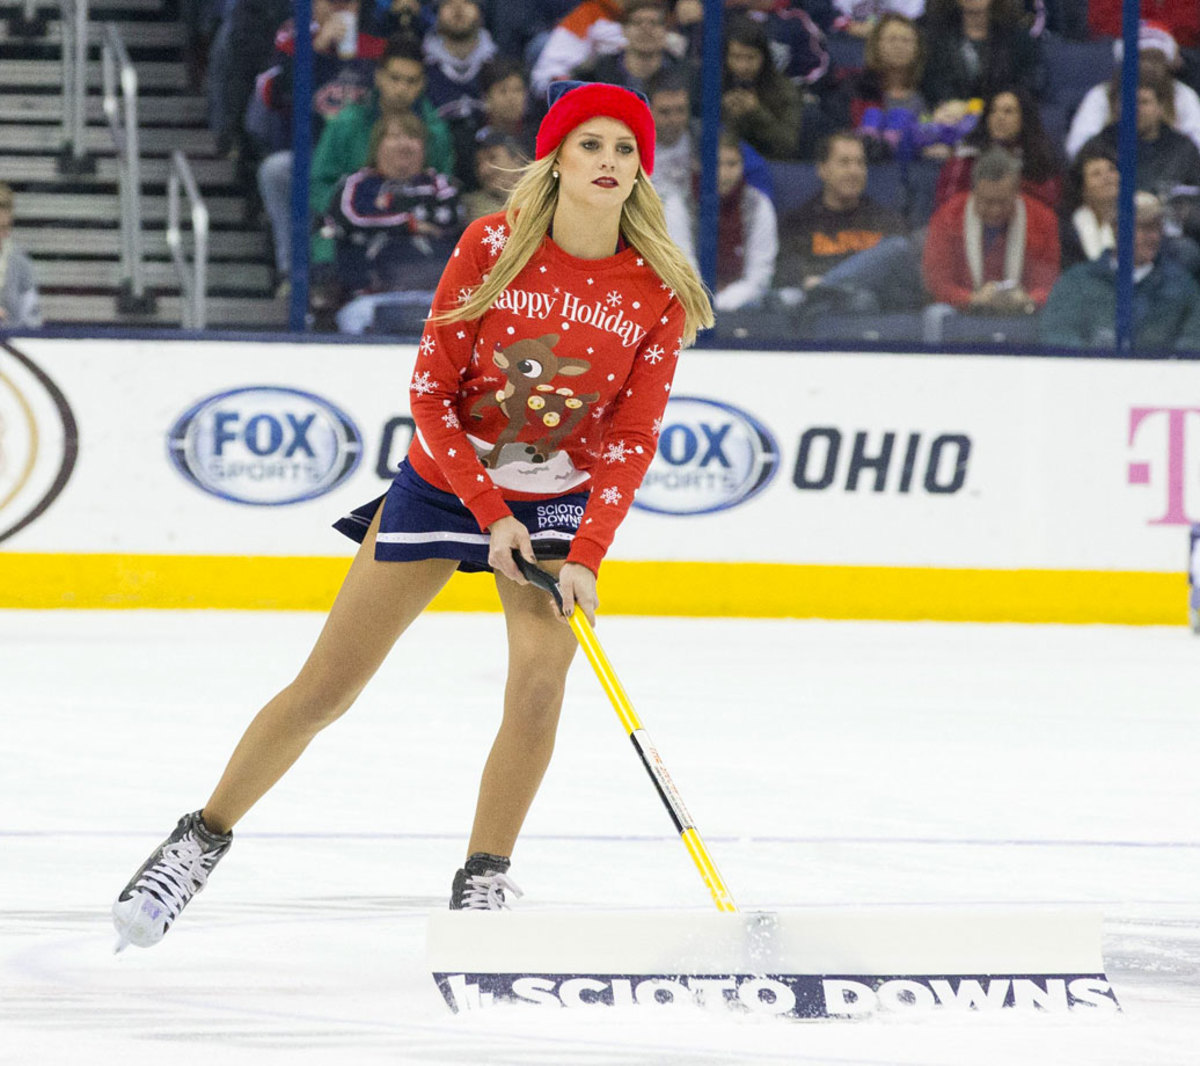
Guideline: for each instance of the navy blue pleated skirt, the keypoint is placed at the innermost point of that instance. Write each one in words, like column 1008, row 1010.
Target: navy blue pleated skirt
column 421, row 522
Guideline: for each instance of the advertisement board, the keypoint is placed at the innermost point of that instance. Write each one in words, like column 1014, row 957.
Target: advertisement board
column 868, row 476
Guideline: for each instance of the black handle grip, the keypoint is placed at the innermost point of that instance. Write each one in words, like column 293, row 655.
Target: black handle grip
column 535, row 575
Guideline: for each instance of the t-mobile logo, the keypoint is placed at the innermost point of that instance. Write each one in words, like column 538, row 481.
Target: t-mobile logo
column 1167, row 425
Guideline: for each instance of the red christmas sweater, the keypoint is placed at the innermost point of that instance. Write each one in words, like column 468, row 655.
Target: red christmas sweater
column 558, row 387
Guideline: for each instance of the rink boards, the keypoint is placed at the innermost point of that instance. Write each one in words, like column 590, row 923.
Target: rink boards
column 206, row 474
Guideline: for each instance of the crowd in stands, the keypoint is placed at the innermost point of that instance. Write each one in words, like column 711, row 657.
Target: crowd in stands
column 875, row 156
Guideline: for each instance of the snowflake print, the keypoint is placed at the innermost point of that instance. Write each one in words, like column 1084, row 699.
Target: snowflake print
column 451, row 452
column 641, row 262
column 615, row 453
column 654, row 355
column 427, row 345
column 657, row 427
column 542, row 269
column 451, row 420
column 495, row 239
column 460, row 334
column 613, row 299
column 678, row 349
column 667, row 387
column 611, row 495
column 423, row 384
column 598, row 410
column 464, row 294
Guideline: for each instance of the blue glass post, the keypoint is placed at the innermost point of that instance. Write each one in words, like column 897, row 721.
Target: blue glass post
column 710, row 95
column 1127, row 149
column 302, row 94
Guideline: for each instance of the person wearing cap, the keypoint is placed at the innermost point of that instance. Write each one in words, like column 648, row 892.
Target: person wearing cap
column 1157, row 51
column 539, row 388
column 1081, row 311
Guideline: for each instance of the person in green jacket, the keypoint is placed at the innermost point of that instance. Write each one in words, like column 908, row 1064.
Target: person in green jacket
column 1081, row 310
column 342, row 148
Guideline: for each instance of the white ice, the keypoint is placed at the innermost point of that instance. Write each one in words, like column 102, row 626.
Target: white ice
column 825, row 763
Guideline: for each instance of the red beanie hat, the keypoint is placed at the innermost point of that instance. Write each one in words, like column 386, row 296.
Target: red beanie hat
column 574, row 102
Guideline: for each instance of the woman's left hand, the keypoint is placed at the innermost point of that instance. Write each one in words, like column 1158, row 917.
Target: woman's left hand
column 578, row 587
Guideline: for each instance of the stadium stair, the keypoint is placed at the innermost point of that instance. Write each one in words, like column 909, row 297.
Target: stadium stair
column 70, row 224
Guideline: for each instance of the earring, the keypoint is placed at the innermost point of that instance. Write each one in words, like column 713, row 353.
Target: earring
column 554, row 174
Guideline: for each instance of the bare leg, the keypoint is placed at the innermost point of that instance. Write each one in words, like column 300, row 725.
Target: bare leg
column 377, row 602
column 540, row 649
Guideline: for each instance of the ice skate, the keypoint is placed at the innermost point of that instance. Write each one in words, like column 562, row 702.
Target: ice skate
column 482, row 884
column 176, row 870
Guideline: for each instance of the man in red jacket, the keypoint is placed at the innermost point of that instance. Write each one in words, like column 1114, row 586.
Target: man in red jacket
column 992, row 250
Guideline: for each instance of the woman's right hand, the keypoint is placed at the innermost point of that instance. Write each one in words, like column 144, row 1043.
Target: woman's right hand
column 506, row 534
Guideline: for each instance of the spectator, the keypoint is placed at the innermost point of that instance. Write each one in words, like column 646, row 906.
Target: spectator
column 884, row 98
column 669, row 96
column 757, row 102
column 455, row 51
column 505, row 110
column 18, row 290
column 1011, row 121
column 1166, row 159
column 974, row 48
column 342, row 62
column 342, row 149
column 1081, row 311
column 645, row 54
column 1087, row 226
column 394, row 223
column 498, row 160
column 858, row 18
column 590, row 30
column 520, row 27
column 1180, row 18
column 747, row 235
column 1157, row 52
column 992, row 250
column 841, row 249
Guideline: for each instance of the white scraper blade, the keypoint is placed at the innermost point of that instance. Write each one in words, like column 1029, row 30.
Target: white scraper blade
column 812, row 963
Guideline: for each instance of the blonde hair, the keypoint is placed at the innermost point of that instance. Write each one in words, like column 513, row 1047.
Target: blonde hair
column 529, row 212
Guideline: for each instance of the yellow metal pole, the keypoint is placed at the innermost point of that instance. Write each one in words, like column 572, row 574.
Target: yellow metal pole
column 667, row 791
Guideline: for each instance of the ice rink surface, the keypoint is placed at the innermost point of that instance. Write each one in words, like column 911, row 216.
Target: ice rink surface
column 825, row 763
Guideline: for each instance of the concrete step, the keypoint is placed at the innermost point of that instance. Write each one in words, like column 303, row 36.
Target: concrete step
column 174, row 111
column 105, row 207
column 21, row 169
column 154, row 140
column 40, row 73
column 224, row 312
column 134, row 34
column 251, row 279
column 42, row 241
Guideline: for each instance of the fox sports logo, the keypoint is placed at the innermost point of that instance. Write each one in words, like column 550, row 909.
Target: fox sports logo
column 711, row 456
column 265, row 445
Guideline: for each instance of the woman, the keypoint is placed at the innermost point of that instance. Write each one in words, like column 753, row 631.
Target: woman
column 757, row 102
column 747, row 231
column 975, row 48
column 893, row 63
column 394, row 223
column 1087, row 224
column 566, row 405
column 1010, row 120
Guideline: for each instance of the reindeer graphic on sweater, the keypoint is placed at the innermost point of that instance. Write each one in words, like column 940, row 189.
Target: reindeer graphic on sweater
column 531, row 399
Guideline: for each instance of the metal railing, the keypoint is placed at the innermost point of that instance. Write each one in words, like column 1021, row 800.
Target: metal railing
column 194, row 282
column 120, row 109
column 74, row 157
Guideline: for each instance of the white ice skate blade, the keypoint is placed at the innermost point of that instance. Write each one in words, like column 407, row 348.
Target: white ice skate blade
column 814, row 963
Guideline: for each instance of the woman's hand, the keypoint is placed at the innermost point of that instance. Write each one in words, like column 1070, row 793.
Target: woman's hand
column 578, row 587
column 507, row 534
